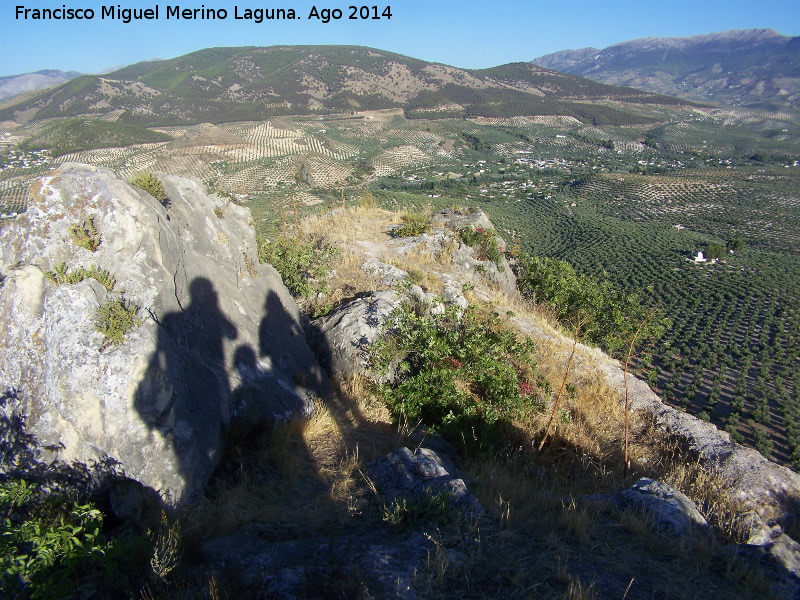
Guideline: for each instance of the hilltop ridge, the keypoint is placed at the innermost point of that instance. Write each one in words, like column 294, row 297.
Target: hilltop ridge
column 237, row 84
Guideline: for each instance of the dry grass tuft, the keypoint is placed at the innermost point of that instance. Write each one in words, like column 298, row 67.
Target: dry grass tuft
column 576, row 520
column 576, row 591
column 445, row 256
column 707, row 491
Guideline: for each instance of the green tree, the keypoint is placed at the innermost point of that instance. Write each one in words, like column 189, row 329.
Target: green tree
column 736, row 245
column 714, row 251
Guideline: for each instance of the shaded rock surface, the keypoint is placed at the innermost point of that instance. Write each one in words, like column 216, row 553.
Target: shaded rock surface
column 672, row 511
column 403, row 473
column 777, row 561
column 219, row 336
column 386, row 568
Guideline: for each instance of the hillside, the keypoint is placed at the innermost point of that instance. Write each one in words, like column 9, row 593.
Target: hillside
column 75, row 135
column 757, row 68
column 237, row 84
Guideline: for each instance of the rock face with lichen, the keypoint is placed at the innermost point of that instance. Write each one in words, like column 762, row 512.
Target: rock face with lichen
column 217, row 337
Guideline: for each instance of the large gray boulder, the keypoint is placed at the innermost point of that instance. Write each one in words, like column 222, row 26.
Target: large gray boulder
column 219, row 337
column 343, row 337
column 403, row 474
column 671, row 510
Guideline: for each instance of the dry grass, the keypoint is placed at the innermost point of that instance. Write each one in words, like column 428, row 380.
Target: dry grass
column 577, row 591
column 446, row 253
column 363, row 224
column 707, row 491
column 419, row 275
column 302, row 476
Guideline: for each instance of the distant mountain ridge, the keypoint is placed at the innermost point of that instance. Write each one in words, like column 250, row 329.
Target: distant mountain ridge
column 757, row 68
column 13, row 85
column 238, row 84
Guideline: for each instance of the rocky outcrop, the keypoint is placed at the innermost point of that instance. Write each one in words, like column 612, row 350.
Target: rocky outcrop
column 341, row 339
column 403, row 474
column 217, row 337
column 671, row 510
column 770, row 489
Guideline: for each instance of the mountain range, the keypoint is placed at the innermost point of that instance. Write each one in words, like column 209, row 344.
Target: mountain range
column 13, row 85
column 238, row 84
column 756, row 68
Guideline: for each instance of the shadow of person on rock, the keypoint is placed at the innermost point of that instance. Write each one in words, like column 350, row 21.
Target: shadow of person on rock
column 185, row 393
column 284, row 350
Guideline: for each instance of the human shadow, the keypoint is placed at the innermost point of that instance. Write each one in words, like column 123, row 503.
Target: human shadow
column 283, row 381
column 185, row 393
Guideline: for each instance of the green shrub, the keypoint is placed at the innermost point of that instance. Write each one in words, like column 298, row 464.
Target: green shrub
column 460, row 376
column 51, row 546
column 414, row 223
column 115, row 318
column 610, row 316
column 714, row 251
column 484, row 241
column 762, row 442
column 303, row 266
column 151, row 184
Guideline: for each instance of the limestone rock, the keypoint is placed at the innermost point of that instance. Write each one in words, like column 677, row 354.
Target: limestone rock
column 403, row 473
column 219, row 336
column 342, row 338
column 464, row 257
column 386, row 274
column 672, row 510
column 476, row 219
column 500, row 274
column 777, row 561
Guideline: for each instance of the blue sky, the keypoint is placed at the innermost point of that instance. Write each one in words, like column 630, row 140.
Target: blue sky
column 470, row 34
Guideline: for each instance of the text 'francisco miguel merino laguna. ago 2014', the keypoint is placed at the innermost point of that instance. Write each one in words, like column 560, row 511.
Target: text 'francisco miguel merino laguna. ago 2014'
column 126, row 15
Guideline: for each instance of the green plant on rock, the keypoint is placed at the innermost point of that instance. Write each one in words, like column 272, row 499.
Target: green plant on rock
column 85, row 235
column 462, row 376
column 150, row 183
column 60, row 275
column 115, row 318
column 304, row 266
column 409, row 512
column 484, row 241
